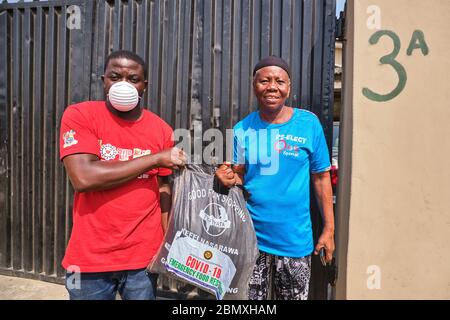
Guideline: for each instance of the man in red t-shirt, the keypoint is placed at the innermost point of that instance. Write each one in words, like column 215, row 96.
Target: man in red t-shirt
column 118, row 157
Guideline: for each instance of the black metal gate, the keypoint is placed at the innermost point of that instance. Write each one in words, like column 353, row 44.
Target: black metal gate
column 200, row 55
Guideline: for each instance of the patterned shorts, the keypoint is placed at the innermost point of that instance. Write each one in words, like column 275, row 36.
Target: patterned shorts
column 280, row 278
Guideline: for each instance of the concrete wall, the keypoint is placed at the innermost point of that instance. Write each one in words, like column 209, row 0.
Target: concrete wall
column 393, row 211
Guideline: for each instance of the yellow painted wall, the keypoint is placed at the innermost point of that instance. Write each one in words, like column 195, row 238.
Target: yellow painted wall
column 393, row 211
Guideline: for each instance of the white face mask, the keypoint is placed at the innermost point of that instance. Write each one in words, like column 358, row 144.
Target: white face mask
column 123, row 96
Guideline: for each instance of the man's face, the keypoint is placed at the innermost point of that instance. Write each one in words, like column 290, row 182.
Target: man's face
column 122, row 69
column 271, row 86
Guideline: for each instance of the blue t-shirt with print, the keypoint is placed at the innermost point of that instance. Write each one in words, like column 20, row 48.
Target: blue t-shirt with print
column 278, row 160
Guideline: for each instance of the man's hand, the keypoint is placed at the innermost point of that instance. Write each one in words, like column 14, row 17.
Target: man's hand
column 226, row 176
column 326, row 241
column 171, row 158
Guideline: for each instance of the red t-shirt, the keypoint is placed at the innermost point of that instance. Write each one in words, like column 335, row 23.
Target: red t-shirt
column 120, row 228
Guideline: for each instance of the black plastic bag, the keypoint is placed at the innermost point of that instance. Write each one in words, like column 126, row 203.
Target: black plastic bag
column 210, row 242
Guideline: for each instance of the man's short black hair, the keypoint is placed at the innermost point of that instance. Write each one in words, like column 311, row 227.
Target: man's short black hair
column 127, row 55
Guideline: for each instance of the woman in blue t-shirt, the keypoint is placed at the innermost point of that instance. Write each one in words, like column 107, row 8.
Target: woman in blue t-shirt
column 277, row 149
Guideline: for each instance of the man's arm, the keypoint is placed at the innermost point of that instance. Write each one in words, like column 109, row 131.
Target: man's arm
column 165, row 193
column 324, row 194
column 87, row 173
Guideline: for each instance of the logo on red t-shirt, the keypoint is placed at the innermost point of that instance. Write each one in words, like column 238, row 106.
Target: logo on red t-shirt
column 69, row 138
column 108, row 151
